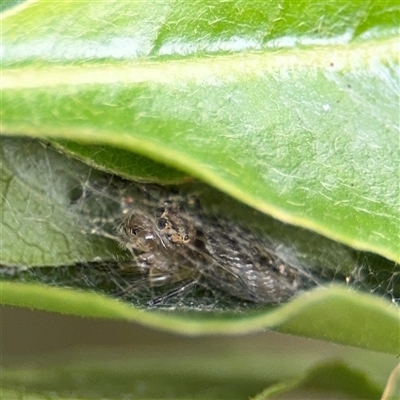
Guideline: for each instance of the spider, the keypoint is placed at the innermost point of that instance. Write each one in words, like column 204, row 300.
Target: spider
column 177, row 242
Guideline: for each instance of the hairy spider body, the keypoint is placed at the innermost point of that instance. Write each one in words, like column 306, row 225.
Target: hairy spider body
column 177, row 241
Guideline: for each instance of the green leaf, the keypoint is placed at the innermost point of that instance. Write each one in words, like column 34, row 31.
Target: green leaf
column 5, row 4
column 392, row 388
column 334, row 314
column 37, row 187
column 120, row 161
column 215, row 368
column 290, row 108
column 330, row 380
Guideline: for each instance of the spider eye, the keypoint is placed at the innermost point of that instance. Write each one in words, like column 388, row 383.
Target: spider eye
column 159, row 212
column 162, row 223
column 134, row 230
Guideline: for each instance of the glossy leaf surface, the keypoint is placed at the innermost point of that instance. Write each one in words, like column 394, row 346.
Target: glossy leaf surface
column 289, row 112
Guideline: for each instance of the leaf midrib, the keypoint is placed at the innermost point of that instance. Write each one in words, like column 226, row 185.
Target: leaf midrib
column 202, row 70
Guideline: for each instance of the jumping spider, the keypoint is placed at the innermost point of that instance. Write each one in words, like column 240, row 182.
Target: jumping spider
column 174, row 244
column 160, row 243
